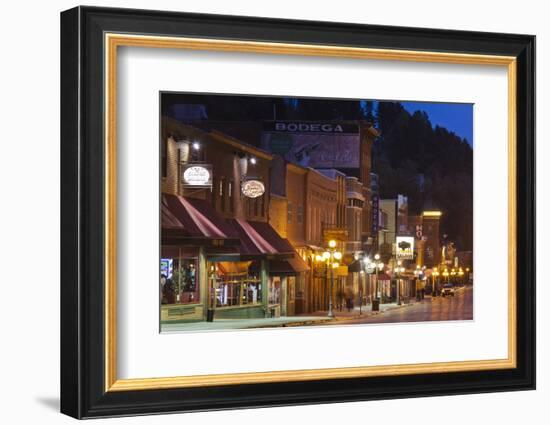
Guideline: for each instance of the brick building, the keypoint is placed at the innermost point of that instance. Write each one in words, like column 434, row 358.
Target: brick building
column 219, row 254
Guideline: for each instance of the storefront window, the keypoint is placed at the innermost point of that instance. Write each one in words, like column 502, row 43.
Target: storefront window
column 233, row 284
column 291, row 282
column 179, row 281
column 274, row 290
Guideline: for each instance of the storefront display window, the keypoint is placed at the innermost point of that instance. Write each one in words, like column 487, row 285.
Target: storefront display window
column 291, row 282
column 232, row 284
column 179, row 281
column 275, row 290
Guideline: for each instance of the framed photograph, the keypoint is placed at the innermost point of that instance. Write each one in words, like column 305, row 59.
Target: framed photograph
column 261, row 212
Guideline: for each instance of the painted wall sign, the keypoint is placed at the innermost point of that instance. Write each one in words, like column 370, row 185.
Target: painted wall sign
column 253, row 188
column 313, row 143
column 197, row 175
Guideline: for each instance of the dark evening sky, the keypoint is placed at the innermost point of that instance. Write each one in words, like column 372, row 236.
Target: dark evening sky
column 456, row 117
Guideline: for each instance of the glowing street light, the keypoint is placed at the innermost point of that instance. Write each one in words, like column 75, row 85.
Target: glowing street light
column 377, row 265
column 435, row 274
column 331, row 259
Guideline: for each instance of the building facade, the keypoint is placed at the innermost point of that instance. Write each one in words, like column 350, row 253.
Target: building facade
column 220, row 257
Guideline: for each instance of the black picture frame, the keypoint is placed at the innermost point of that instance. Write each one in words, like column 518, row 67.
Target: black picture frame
column 83, row 392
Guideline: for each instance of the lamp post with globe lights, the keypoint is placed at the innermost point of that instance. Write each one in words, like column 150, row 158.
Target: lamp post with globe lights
column 435, row 274
column 446, row 275
column 374, row 267
column 417, row 273
column 331, row 258
column 461, row 276
column 399, row 270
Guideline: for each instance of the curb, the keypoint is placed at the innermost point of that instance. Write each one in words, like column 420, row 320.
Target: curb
column 373, row 313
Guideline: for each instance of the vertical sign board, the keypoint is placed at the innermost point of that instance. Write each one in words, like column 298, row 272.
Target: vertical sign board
column 402, row 213
column 375, row 212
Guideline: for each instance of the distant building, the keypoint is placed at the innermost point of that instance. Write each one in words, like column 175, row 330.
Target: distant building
column 388, row 233
column 431, row 236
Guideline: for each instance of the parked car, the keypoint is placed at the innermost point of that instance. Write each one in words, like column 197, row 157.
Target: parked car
column 448, row 289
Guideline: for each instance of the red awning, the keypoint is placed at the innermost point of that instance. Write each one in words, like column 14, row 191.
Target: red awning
column 192, row 218
column 290, row 266
column 258, row 238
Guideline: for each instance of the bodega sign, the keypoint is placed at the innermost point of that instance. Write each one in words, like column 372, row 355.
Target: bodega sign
column 311, row 127
column 253, row 188
column 194, row 175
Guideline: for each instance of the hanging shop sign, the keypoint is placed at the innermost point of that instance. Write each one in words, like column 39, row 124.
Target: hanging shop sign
column 404, row 247
column 253, row 188
column 194, row 175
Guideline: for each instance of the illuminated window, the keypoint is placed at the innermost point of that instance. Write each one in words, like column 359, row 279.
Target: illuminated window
column 222, row 197
column 289, row 213
column 230, row 195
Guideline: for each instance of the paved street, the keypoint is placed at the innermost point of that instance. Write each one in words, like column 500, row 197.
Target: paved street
column 459, row 307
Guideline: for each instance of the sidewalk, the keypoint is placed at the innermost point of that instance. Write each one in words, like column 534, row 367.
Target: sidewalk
column 228, row 324
column 365, row 311
column 315, row 318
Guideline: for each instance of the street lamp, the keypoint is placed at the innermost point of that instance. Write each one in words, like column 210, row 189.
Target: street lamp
column 417, row 274
column 446, row 275
column 331, row 258
column 435, row 274
column 461, row 275
column 398, row 270
column 375, row 266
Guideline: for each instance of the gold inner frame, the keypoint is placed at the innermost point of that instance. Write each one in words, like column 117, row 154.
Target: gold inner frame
column 113, row 41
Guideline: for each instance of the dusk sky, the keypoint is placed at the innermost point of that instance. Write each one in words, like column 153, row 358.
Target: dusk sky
column 456, row 117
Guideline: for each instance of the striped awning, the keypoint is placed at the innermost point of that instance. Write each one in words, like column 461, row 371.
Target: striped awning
column 291, row 266
column 192, row 218
column 259, row 238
